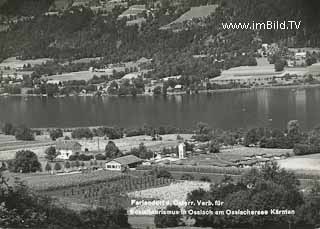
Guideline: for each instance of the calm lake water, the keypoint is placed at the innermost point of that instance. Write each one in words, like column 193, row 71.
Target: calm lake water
column 263, row 107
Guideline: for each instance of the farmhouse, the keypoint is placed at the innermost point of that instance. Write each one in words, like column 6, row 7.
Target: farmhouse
column 66, row 148
column 122, row 163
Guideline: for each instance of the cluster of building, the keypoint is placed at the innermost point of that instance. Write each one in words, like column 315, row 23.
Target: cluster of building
column 67, row 148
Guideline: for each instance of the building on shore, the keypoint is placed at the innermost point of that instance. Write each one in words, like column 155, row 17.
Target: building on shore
column 123, row 163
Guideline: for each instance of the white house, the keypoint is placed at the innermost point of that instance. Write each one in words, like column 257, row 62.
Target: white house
column 66, row 148
column 181, row 150
column 300, row 55
column 123, row 163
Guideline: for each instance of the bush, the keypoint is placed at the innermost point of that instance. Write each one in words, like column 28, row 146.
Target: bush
column 187, row 176
column 100, row 157
column 24, row 134
column 214, row 147
column 82, row 133
column 57, row 166
column 84, row 157
column 73, row 157
column 205, row 179
column 170, row 220
column 8, row 129
column 57, row 133
column 305, row 149
column 161, row 173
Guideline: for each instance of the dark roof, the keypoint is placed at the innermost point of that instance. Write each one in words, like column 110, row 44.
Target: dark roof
column 127, row 160
column 67, row 145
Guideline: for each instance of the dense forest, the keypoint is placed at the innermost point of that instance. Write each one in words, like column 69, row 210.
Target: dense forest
column 78, row 33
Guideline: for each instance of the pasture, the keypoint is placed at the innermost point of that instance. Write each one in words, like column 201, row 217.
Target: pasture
column 14, row 63
column 9, row 146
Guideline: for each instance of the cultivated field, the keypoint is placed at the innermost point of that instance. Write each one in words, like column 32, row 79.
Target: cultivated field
column 46, row 181
column 305, row 163
column 9, row 146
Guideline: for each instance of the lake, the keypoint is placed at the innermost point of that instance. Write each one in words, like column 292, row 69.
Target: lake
column 261, row 107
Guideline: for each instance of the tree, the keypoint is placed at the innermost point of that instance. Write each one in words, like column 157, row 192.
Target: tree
column 267, row 188
column 67, row 165
column 279, row 65
column 141, row 152
column 157, row 90
column 51, row 153
column 24, row 134
column 8, row 129
column 56, row 133
column 48, row 167
column 112, row 151
column 82, row 133
column 294, row 132
column 26, row 161
column 21, row 208
column 170, row 220
column 57, row 166
column 214, row 147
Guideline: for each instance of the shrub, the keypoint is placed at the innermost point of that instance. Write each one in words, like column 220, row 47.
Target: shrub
column 73, row 158
column 171, row 220
column 56, row 133
column 305, row 149
column 82, row 133
column 8, row 129
column 24, row 134
column 57, row 166
column 187, row 176
column 100, row 157
column 84, row 157
column 205, row 179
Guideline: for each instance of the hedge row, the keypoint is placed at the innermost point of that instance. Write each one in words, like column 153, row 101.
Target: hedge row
column 305, row 149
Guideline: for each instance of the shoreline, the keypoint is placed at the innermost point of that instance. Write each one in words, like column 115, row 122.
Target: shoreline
column 302, row 86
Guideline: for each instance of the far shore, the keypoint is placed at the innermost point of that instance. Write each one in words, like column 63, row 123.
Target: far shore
column 301, row 86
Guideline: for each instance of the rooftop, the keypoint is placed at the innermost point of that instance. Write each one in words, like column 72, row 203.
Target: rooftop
column 127, row 160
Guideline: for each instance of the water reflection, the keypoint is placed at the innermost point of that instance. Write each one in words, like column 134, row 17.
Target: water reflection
column 267, row 107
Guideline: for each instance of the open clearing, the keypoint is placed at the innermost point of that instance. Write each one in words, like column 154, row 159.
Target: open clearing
column 307, row 163
column 82, row 75
column 13, row 62
column 9, row 146
column 126, row 144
